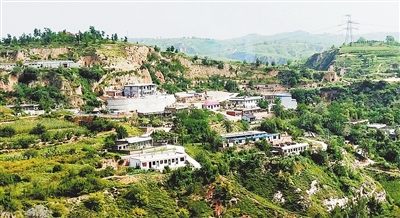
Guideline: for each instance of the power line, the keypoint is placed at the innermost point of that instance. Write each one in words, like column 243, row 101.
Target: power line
column 349, row 29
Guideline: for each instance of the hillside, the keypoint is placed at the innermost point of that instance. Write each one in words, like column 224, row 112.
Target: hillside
column 274, row 48
column 371, row 60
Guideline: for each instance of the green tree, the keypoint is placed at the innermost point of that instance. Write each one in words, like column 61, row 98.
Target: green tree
column 277, row 107
column 390, row 40
column 263, row 104
column 121, row 132
column 227, row 125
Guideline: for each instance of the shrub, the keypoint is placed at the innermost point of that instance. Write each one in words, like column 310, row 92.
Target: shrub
column 137, row 195
column 93, row 203
column 7, row 131
column 57, row 168
column 39, row 129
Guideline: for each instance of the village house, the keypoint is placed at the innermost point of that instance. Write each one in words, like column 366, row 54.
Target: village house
column 139, row 90
column 172, row 156
column 190, row 96
column 239, row 138
column 249, row 118
column 175, row 108
column 30, row 109
column 126, row 144
column 211, row 106
column 245, row 101
column 289, row 148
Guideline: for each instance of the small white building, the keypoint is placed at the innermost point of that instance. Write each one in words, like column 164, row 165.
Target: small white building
column 211, row 106
column 245, row 101
column 173, row 156
column 133, row 143
column 289, row 148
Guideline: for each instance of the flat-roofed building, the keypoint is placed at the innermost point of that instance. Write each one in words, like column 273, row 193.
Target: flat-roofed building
column 238, row 138
column 175, row 108
column 245, row 101
column 289, row 148
column 133, row 143
column 139, row 90
column 172, row 156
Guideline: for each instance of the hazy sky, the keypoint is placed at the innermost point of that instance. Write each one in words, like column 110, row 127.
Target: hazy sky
column 208, row 19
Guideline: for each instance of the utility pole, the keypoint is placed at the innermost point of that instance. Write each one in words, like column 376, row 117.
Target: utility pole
column 349, row 29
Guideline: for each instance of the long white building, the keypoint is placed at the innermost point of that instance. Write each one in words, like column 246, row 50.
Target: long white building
column 151, row 103
column 289, row 148
column 246, row 101
column 172, row 156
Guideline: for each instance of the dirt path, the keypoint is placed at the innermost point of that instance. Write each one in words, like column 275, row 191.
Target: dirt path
column 378, row 69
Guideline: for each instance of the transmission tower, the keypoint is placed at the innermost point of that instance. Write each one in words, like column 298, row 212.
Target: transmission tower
column 349, row 29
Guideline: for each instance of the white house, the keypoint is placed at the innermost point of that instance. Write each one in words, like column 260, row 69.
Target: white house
column 289, row 148
column 245, row 101
column 211, row 106
column 175, row 157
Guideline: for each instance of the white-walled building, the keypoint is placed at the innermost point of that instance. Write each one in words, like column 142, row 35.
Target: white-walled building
column 172, row 156
column 211, row 106
column 289, row 148
column 245, row 101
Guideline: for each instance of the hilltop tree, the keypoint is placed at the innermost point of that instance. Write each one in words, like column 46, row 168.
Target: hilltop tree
column 390, row 40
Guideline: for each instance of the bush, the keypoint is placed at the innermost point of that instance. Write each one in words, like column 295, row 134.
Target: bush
column 137, row 195
column 23, row 142
column 57, row 168
column 39, row 129
column 7, row 131
column 93, row 203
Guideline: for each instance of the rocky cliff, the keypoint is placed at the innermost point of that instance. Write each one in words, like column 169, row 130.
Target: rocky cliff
column 322, row 61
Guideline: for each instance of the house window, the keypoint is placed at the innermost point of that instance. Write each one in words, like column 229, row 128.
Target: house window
column 173, row 160
column 144, row 164
column 154, row 163
column 182, row 159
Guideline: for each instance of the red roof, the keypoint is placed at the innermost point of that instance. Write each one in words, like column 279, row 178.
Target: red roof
column 210, row 103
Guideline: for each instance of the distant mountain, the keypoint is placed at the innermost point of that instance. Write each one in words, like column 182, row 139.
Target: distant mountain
column 278, row 48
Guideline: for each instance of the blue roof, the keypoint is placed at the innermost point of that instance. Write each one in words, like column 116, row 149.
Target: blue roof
column 283, row 95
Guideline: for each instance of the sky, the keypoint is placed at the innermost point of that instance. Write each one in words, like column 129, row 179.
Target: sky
column 204, row 19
